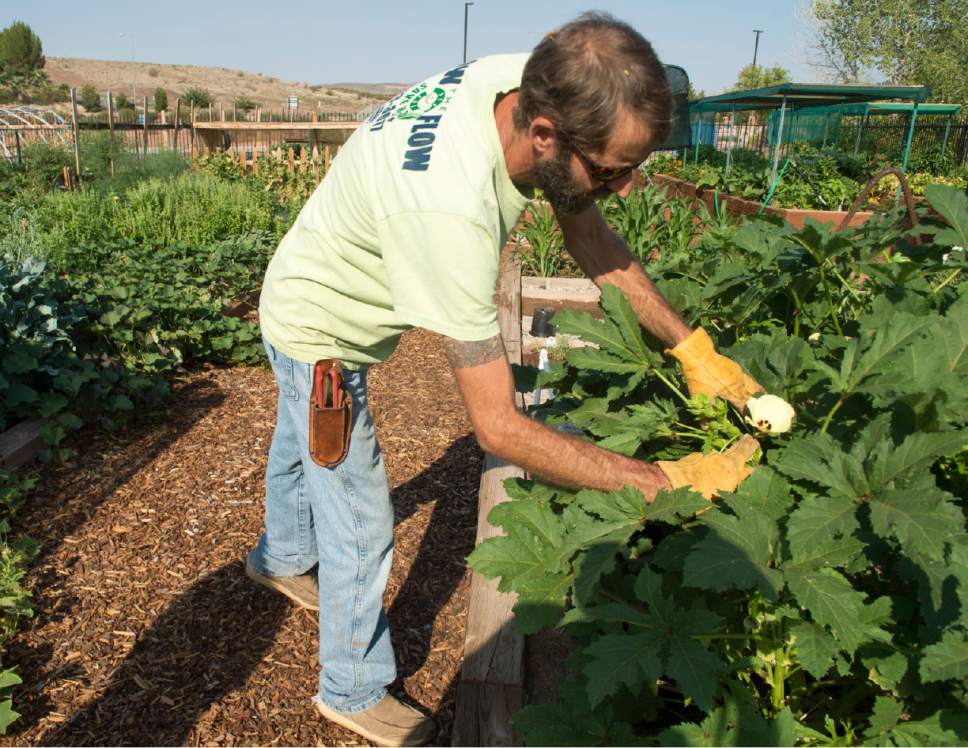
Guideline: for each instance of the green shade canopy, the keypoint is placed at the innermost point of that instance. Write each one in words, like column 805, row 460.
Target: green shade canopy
column 806, row 95
column 881, row 107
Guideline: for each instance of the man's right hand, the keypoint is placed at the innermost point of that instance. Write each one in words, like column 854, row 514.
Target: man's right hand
column 712, row 473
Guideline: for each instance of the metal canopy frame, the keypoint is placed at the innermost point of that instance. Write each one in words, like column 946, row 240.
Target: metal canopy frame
column 794, row 96
column 30, row 119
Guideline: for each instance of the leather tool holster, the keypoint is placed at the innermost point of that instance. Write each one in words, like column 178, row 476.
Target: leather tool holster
column 330, row 415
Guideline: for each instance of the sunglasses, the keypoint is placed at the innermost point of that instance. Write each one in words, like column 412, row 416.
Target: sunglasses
column 598, row 172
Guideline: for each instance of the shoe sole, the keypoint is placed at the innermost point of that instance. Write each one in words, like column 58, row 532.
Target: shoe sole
column 343, row 721
column 272, row 584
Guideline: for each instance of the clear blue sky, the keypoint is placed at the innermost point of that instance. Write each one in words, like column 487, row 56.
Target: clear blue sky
column 374, row 41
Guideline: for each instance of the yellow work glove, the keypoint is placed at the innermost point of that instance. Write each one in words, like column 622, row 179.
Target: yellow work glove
column 712, row 373
column 710, row 474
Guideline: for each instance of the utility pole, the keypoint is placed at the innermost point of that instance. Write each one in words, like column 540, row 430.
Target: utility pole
column 466, row 5
column 756, row 44
column 134, row 70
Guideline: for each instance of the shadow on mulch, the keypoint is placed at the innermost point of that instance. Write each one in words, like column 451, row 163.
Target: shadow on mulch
column 208, row 642
column 106, row 462
column 205, row 645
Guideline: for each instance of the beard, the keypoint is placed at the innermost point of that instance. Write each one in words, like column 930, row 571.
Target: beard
column 554, row 178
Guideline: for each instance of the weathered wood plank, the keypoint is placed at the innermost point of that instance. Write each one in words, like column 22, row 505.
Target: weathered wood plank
column 483, row 715
column 492, row 674
column 22, row 443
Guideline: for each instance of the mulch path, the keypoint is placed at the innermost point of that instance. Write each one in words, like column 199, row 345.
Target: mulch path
column 147, row 631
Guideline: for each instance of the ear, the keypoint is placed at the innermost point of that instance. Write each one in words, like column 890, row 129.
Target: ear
column 544, row 135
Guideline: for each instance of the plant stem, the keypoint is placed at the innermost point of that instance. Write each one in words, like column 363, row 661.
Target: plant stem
column 830, row 415
column 954, row 274
column 671, row 386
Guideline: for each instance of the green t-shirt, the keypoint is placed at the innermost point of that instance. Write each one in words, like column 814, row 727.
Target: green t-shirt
column 406, row 229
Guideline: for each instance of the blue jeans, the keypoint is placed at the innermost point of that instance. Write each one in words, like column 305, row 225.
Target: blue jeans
column 341, row 519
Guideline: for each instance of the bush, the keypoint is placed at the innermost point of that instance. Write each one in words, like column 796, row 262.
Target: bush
column 192, row 208
column 44, row 164
column 197, row 96
column 245, row 104
column 90, row 98
column 161, row 99
column 121, row 102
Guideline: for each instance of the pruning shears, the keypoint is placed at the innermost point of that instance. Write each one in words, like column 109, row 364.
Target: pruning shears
column 328, row 387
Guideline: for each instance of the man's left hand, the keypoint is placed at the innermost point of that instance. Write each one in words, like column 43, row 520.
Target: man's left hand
column 711, row 373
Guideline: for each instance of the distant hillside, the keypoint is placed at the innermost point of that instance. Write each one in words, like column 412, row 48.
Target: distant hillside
column 223, row 84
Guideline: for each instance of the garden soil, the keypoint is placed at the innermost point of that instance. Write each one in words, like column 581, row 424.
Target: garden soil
column 147, row 631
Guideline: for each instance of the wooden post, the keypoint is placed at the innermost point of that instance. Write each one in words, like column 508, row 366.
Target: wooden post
column 210, row 119
column 491, row 687
column 221, row 112
column 242, row 161
column 255, row 158
column 77, row 132
column 235, row 112
column 145, row 154
column 67, row 178
column 258, row 114
column 111, row 131
column 291, row 158
column 174, row 130
column 315, row 162
column 302, row 160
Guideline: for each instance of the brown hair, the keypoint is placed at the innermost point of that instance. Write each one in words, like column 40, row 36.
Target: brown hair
column 582, row 75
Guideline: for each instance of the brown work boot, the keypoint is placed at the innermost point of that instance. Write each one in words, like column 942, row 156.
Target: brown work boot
column 391, row 722
column 302, row 590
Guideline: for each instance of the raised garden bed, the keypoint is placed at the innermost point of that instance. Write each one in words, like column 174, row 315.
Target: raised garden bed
column 738, row 206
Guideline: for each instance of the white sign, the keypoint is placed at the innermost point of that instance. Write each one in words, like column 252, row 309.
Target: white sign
column 293, row 102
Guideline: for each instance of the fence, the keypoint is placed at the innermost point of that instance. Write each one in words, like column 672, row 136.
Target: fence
column 186, row 129
column 883, row 135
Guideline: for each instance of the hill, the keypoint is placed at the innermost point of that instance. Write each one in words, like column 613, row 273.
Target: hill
column 223, row 84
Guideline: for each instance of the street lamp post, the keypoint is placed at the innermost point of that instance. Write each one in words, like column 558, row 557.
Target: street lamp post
column 134, row 70
column 466, row 5
column 756, row 44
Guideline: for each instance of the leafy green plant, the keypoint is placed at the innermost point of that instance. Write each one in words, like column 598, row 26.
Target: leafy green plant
column 197, row 96
column 541, row 246
column 821, row 603
column 15, row 602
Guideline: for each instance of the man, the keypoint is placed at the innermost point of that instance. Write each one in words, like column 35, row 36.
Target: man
column 406, row 231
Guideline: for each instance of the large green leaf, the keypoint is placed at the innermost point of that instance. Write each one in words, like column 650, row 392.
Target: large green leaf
column 818, row 520
column 735, row 554
column 947, row 659
column 833, row 602
column 951, row 203
column 815, row 648
column 617, row 659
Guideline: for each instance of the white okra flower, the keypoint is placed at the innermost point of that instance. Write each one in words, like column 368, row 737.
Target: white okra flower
column 770, row 413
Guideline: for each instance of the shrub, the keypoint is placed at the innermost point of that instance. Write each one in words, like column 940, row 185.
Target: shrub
column 153, row 72
column 121, row 102
column 90, row 98
column 245, row 104
column 161, row 99
column 197, row 96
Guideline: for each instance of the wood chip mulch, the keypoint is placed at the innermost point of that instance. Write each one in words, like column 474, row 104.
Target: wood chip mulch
column 147, row 631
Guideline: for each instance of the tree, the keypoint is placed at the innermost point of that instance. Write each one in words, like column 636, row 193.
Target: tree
column 161, row 99
column 694, row 94
column 901, row 42
column 121, row 102
column 21, row 52
column 197, row 96
column 245, row 104
column 90, row 99
column 757, row 76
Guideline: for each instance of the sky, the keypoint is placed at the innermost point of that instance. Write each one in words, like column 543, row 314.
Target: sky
column 387, row 41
